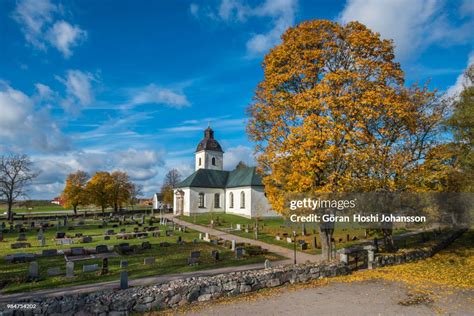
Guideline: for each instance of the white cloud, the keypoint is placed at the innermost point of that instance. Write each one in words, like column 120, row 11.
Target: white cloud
column 234, row 155
column 65, row 36
column 40, row 26
column 194, row 9
column 153, row 94
column 413, row 25
column 280, row 12
column 24, row 126
column 461, row 81
column 79, row 89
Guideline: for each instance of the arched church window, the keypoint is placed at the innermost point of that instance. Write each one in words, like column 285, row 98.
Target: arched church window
column 231, row 200
column 201, row 199
column 213, row 161
column 199, row 161
column 242, row 199
column 217, row 200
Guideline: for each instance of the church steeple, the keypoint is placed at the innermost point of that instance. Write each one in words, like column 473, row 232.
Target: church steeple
column 209, row 153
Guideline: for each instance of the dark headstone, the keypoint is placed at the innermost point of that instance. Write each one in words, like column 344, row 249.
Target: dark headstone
column 77, row 251
column 106, row 237
column 105, row 266
column 20, row 245
column 101, row 249
column 49, row 252
column 146, row 245
column 215, row 255
column 86, row 239
column 60, row 235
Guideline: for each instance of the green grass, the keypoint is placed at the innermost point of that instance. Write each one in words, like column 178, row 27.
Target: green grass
column 173, row 259
column 272, row 226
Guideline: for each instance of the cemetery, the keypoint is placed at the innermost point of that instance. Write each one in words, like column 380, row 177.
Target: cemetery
column 279, row 232
column 58, row 251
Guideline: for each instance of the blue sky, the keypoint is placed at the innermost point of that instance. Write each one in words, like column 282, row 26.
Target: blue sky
column 130, row 85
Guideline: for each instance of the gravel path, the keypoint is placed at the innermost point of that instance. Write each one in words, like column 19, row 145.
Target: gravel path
column 351, row 299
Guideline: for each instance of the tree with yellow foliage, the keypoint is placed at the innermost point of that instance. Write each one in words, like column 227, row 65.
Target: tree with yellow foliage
column 120, row 189
column 332, row 115
column 74, row 193
column 99, row 189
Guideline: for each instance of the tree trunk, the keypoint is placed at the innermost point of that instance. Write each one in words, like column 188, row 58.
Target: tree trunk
column 9, row 212
column 75, row 209
column 388, row 239
column 115, row 207
column 326, row 231
column 103, row 208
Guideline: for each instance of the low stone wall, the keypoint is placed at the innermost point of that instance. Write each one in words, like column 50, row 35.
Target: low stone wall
column 382, row 260
column 180, row 292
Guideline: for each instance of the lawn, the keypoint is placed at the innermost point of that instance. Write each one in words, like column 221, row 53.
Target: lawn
column 269, row 228
column 172, row 259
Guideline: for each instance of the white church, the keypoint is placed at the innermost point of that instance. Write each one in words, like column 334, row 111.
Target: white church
column 212, row 189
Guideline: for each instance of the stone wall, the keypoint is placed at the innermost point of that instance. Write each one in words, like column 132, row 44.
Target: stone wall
column 180, row 292
column 382, row 260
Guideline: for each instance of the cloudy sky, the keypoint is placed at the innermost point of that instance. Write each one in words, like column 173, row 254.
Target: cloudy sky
column 130, row 85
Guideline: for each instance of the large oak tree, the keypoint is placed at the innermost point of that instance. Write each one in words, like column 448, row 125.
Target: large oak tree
column 332, row 114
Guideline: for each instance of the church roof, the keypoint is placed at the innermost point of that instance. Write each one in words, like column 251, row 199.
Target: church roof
column 208, row 178
column 208, row 142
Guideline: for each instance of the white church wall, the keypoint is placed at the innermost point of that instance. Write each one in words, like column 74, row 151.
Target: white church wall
column 238, row 209
column 192, row 203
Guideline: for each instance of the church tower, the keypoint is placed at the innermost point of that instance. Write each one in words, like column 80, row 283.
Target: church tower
column 209, row 154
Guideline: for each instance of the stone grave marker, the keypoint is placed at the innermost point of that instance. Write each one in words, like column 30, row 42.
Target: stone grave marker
column 19, row 245
column 169, row 233
column 40, row 234
column 123, row 264
column 106, row 237
column 149, row 260
column 21, row 237
column 53, row 271
column 200, row 236
column 86, row 239
column 77, row 251
column 233, row 245
column 238, row 227
column 70, row 269
column 49, row 252
column 239, row 252
column 277, row 237
column 215, row 254
column 43, row 242
column 90, row 267
column 101, row 249
column 179, row 239
column 78, row 235
column 267, row 264
column 105, row 266
column 33, row 270
column 123, row 280
column 146, row 245
column 289, row 240
column 60, row 235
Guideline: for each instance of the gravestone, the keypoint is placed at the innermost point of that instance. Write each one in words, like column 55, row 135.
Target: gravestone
column 146, row 245
column 239, row 252
column 106, row 237
column 289, row 240
column 60, row 235
column 179, row 239
column 149, row 260
column 43, row 242
column 123, row 264
column 101, row 249
column 86, row 239
column 105, row 266
column 78, row 235
column 21, row 237
column 267, row 264
column 90, row 267
column 110, row 232
column 215, row 255
column 277, row 237
column 40, row 234
column 233, row 245
column 238, row 227
column 49, row 252
column 200, row 236
column 53, row 271
column 123, row 280
column 169, row 233
column 304, row 246
column 77, row 251
column 20, row 245
column 33, row 270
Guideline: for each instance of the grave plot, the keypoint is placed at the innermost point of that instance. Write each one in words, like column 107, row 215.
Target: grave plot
column 58, row 256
